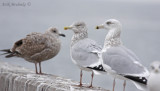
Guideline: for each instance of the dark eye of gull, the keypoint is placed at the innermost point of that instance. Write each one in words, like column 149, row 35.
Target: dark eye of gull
column 108, row 23
column 79, row 25
column 54, row 31
column 152, row 67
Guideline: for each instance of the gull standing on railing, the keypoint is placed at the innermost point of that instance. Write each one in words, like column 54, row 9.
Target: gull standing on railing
column 85, row 53
column 36, row 47
column 119, row 61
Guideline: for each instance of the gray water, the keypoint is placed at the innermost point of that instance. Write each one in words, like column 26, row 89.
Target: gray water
column 140, row 20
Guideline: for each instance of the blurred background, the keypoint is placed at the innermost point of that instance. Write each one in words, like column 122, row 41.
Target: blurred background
column 140, row 20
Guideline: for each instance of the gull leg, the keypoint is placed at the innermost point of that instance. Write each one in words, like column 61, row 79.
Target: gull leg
column 81, row 74
column 40, row 71
column 114, row 83
column 36, row 67
column 80, row 83
column 91, row 80
column 124, row 85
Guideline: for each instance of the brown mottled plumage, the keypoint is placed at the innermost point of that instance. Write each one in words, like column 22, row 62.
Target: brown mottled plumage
column 37, row 47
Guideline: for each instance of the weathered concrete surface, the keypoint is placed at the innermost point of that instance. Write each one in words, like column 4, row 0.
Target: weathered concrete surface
column 16, row 78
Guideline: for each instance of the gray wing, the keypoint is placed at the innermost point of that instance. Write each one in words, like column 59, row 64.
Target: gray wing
column 85, row 52
column 123, row 61
column 131, row 53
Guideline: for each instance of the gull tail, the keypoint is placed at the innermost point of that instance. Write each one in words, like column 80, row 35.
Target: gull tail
column 139, row 82
column 140, row 86
column 8, row 53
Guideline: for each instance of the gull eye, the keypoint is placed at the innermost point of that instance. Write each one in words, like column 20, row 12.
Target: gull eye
column 78, row 25
column 54, row 31
column 108, row 23
column 152, row 67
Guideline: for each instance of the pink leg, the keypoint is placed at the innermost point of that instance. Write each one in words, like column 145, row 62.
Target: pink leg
column 81, row 78
column 91, row 80
column 114, row 83
column 36, row 67
column 40, row 72
column 124, row 85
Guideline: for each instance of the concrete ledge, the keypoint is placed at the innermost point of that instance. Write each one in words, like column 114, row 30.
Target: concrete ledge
column 17, row 78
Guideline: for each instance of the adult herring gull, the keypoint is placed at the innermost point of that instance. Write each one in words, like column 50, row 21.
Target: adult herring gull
column 36, row 47
column 84, row 51
column 119, row 61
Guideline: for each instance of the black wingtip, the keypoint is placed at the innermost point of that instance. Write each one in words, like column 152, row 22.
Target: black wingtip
column 10, row 55
column 4, row 53
column 141, row 80
column 97, row 68
column 6, row 50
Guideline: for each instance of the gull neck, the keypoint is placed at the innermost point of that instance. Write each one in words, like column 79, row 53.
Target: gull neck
column 113, row 38
column 78, row 36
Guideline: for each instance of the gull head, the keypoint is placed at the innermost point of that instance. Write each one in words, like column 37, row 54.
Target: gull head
column 77, row 27
column 155, row 67
column 55, row 32
column 110, row 24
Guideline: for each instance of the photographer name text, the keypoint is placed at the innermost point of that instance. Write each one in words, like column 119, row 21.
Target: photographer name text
column 16, row 4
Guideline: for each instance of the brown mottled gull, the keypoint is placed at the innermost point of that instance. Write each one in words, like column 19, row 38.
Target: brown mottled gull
column 37, row 47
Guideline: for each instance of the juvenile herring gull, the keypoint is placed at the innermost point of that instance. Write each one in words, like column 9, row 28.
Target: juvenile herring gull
column 84, row 51
column 36, row 47
column 119, row 61
column 154, row 78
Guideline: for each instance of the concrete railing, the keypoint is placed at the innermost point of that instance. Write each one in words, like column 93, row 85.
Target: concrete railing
column 16, row 78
